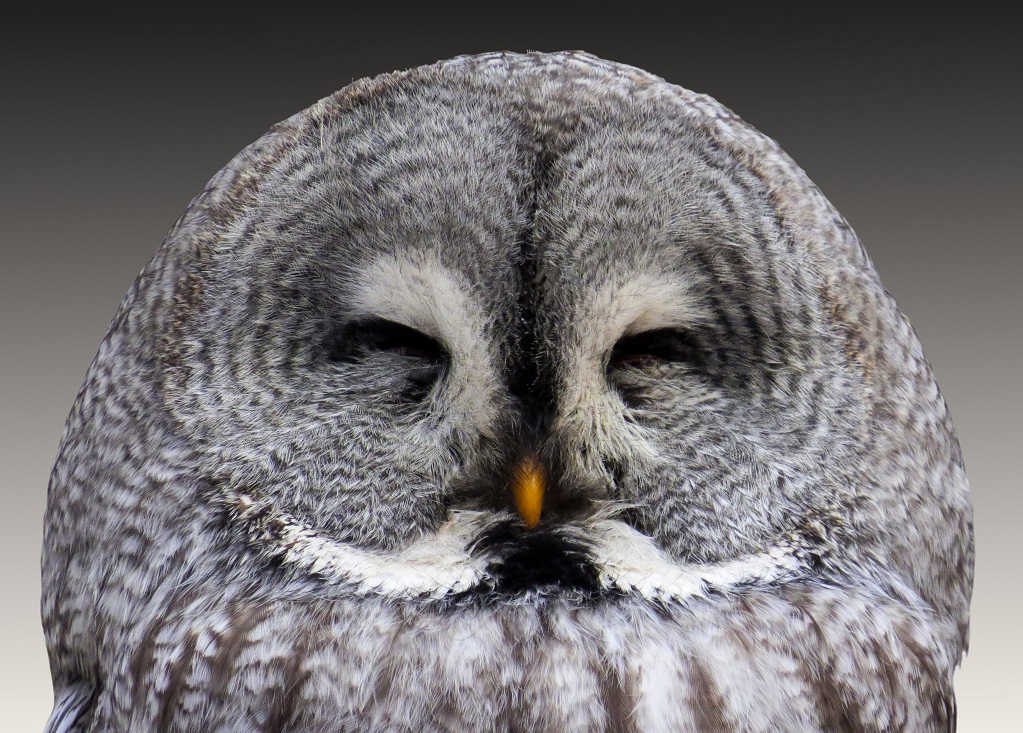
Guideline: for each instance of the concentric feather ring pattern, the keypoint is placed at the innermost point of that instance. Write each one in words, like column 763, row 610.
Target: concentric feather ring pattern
column 512, row 393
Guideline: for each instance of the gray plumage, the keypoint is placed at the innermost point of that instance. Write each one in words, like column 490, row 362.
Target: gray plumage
column 281, row 501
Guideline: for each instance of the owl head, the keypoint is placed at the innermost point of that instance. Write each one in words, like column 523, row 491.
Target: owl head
column 509, row 329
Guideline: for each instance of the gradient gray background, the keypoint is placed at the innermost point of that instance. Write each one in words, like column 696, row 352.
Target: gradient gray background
column 910, row 126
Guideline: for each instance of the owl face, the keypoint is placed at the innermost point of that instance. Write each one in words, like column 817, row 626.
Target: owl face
column 510, row 393
column 434, row 292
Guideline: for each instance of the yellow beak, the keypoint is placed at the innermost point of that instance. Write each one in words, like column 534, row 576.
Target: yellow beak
column 527, row 487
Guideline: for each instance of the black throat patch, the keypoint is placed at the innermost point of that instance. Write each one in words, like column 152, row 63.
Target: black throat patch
column 537, row 562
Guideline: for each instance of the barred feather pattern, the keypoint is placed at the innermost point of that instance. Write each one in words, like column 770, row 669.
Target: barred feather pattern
column 280, row 501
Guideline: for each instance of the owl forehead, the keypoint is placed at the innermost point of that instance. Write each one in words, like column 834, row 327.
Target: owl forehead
column 516, row 192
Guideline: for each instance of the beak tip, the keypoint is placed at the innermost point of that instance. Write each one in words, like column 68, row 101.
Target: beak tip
column 528, row 490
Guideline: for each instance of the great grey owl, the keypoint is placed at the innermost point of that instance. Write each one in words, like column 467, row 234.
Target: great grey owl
column 512, row 393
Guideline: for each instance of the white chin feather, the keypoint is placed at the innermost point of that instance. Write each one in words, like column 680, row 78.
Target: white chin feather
column 432, row 567
column 628, row 561
column 442, row 564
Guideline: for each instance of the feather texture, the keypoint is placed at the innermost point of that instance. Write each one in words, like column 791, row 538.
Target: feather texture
column 282, row 503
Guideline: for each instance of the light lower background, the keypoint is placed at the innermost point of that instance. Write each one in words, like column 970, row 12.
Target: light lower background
column 910, row 126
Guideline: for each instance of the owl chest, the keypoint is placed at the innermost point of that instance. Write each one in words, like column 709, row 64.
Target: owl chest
column 368, row 665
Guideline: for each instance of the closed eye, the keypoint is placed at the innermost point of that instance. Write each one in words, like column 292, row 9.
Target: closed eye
column 360, row 339
column 422, row 358
column 656, row 348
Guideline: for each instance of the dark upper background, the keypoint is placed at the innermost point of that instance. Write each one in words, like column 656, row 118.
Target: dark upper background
column 909, row 125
